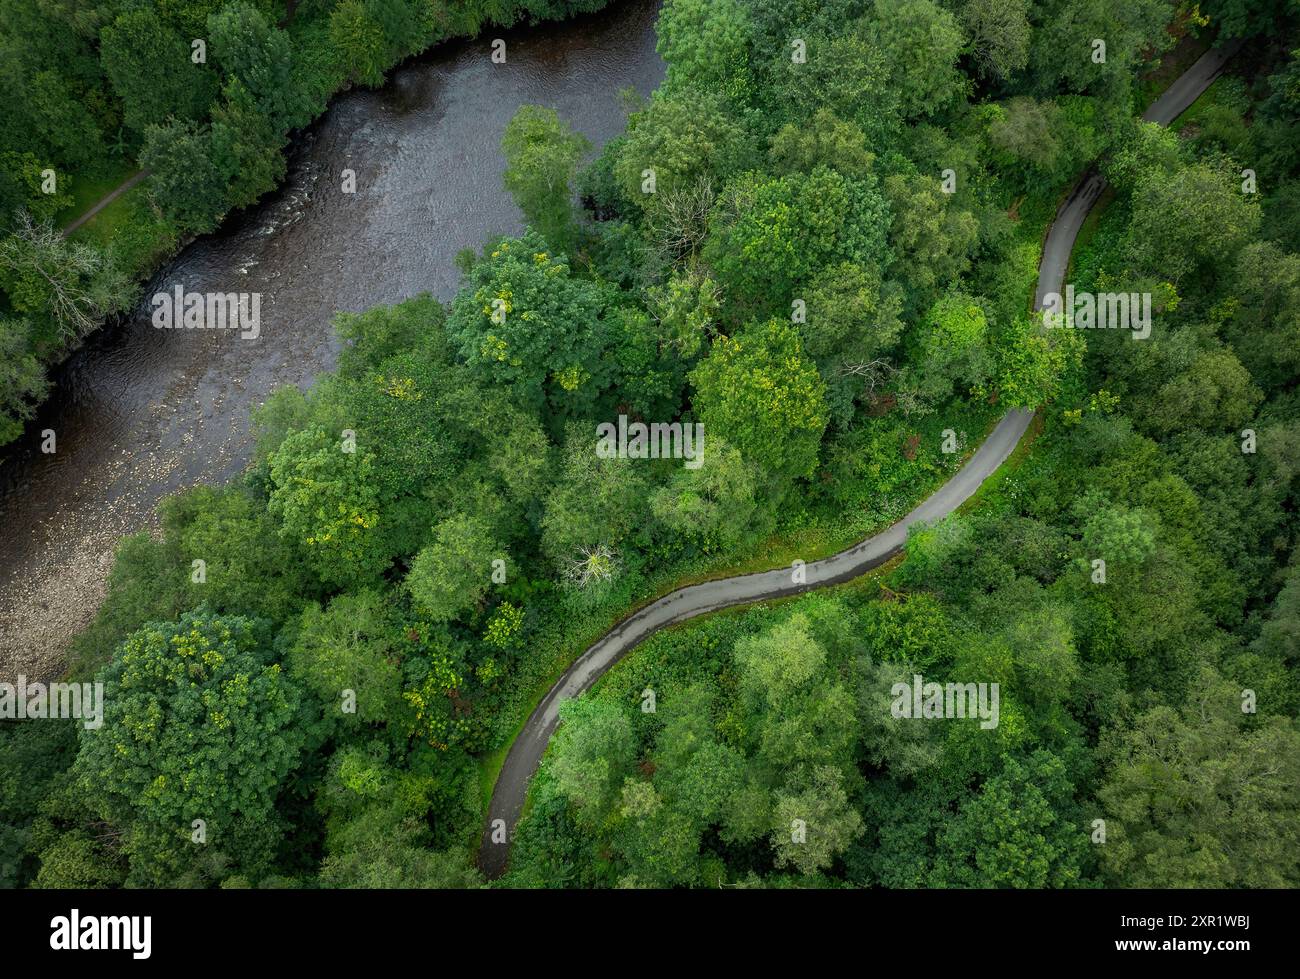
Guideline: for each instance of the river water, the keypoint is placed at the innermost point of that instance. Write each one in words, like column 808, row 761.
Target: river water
column 140, row 413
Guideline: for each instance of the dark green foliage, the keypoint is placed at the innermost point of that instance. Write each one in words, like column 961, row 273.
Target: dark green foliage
column 323, row 660
column 199, row 725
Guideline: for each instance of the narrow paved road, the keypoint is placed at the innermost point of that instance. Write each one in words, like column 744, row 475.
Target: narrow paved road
column 107, row 199
column 526, row 753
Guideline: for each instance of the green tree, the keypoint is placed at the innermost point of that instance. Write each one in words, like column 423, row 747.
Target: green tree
column 932, row 240
column 63, row 121
column 594, row 502
column 252, row 51
column 1133, row 30
column 770, row 237
column 1147, row 147
column 382, row 332
column 1214, row 392
column 920, row 42
column 542, row 156
column 198, row 725
column 1122, row 536
column 1265, row 325
column 150, row 67
column 74, row 861
column 1046, row 661
column 398, row 857
column 780, row 662
column 793, row 706
column 358, row 43
column 1195, row 798
column 22, row 378
column 951, row 351
column 902, row 748
column 593, row 752
column 686, row 308
column 524, row 322
column 846, row 72
column 453, row 573
column 916, row 631
column 1018, row 831
column 706, row 46
column 680, row 137
column 813, row 821
column 184, row 178
column 715, row 502
column 1190, row 222
column 1024, row 131
column 1279, row 635
column 758, row 392
column 248, row 568
column 350, row 645
column 21, row 188
column 829, row 141
column 851, row 325
column 851, row 316
column 245, row 147
column 1032, row 362
column 999, row 34
column 72, row 285
column 405, row 413
column 325, row 500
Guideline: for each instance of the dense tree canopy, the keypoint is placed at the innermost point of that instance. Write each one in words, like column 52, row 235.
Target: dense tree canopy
column 199, row 726
column 800, row 288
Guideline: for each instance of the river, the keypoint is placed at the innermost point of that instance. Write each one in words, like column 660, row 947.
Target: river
column 140, row 413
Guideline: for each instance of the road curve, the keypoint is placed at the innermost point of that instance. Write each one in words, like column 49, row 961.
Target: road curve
column 526, row 752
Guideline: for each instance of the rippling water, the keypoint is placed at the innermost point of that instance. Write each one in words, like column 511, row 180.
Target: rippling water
column 140, row 413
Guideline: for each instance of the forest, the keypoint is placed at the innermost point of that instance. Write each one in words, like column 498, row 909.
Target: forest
column 204, row 96
column 819, row 239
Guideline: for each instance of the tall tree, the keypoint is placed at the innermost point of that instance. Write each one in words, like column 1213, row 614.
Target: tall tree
column 152, row 71
column 760, row 394
column 199, row 733
column 542, row 156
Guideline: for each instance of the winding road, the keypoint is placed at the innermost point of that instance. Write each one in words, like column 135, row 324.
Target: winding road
column 526, row 752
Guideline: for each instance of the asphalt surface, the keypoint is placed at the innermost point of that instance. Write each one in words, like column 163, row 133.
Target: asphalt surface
column 526, row 753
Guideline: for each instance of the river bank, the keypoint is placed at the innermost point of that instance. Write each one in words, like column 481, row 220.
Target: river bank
column 141, row 413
